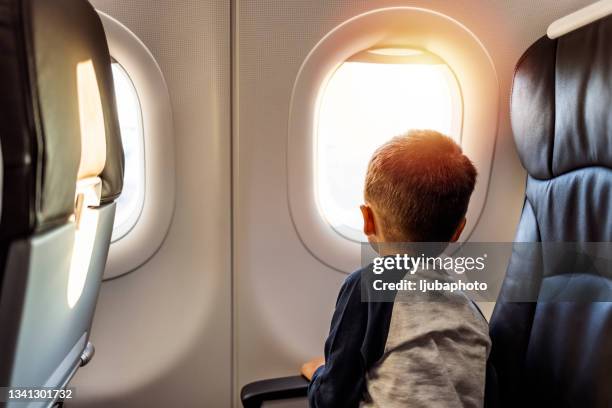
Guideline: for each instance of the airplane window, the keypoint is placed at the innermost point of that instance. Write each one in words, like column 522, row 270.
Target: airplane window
column 373, row 96
column 130, row 203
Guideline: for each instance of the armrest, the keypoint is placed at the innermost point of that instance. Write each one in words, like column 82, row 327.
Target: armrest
column 255, row 393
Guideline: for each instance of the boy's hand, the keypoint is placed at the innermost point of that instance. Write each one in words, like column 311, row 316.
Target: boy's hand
column 310, row 367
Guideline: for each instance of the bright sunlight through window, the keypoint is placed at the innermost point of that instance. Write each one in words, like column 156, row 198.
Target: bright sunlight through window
column 131, row 200
column 365, row 103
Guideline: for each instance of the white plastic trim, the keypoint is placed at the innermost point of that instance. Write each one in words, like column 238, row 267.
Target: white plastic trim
column 402, row 27
column 147, row 235
column 579, row 18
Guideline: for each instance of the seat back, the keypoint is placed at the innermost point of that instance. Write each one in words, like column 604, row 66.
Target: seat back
column 62, row 169
column 558, row 351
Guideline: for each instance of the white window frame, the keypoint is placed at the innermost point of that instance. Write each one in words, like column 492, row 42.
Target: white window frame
column 401, row 27
column 145, row 237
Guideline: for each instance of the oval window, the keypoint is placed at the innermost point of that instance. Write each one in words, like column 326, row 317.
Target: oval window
column 371, row 97
column 131, row 200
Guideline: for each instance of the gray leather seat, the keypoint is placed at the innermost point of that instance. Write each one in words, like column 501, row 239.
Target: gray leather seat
column 551, row 351
column 62, row 164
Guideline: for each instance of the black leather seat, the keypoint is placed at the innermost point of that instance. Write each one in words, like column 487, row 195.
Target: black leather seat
column 62, row 164
column 552, row 351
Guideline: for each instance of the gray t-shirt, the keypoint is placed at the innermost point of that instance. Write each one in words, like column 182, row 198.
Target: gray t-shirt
column 435, row 354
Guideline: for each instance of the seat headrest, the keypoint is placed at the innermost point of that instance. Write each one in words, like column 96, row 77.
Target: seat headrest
column 561, row 107
column 57, row 89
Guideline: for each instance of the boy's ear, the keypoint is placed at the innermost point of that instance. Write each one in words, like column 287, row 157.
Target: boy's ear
column 369, row 228
column 459, row 230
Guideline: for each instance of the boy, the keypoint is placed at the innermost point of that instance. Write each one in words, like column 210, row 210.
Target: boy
column 426, row 353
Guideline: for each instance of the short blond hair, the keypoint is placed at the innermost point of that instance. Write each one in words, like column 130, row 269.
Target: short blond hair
column 420, row 184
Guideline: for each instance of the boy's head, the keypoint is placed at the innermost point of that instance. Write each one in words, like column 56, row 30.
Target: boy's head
column 417, row 189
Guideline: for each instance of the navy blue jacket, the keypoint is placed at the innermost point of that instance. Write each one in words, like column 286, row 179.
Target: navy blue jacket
column 356, row 341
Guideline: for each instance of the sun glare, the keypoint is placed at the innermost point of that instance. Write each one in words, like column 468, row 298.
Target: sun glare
column 362, row 106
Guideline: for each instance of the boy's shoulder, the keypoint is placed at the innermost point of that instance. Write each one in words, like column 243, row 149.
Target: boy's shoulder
column 358, row 288
column 351, row 287
column 354, row 278
column 355, row 281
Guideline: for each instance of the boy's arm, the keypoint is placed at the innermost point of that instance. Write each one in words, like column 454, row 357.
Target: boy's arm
column 340, row 382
